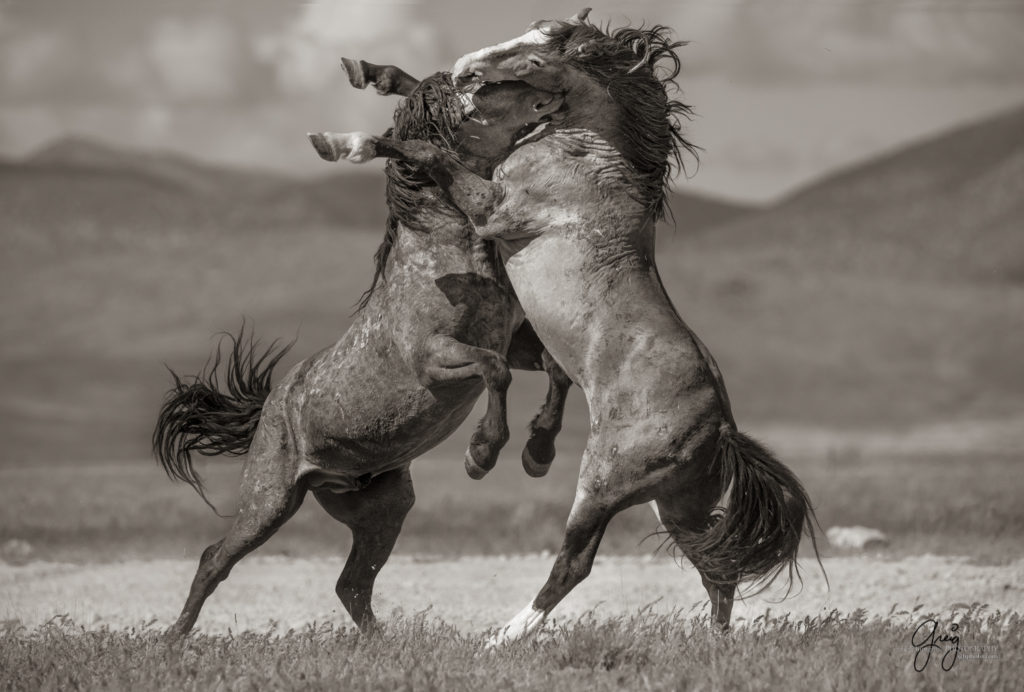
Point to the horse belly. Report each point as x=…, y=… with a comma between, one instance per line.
x=384, y=425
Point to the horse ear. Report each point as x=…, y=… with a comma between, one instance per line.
x=579, y=17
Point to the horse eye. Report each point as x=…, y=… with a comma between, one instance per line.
x=535, y=61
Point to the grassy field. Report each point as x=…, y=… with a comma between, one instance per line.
x=644, y=652
x=945, y=504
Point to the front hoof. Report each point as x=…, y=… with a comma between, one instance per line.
x=537, y=457
x=356, y=73
x=323, y=146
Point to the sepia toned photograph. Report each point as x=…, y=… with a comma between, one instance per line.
x=412, y=345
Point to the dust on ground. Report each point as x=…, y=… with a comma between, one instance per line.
x=477, y=593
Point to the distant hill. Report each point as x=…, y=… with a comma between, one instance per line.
x=75, y=191
x=890, y=292
x=952, y=206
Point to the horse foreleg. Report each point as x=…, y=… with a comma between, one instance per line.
x=474, y=196
x=388, y=79
x=445, y=360
x=528, y=353
x=375, y=515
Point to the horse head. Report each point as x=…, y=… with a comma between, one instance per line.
x=615, y=83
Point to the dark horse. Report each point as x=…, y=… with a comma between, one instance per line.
x=574, y=213
x=347, y=422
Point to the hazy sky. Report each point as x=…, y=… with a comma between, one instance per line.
x=784, y=89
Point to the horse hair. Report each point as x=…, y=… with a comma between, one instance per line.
x=759, y=533
x=199, y=415
x=636, y=66
x=433, y=112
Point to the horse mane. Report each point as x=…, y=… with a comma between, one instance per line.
x=433, y=112
x=637, y=66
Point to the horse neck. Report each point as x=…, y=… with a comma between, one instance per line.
x=590, y=108
x=446, y=241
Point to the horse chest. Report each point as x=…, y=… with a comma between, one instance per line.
x=546, y=275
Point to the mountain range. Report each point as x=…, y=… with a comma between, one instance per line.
x=887, y=294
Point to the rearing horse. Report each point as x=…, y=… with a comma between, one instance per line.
x=574, y=213
x=347, y=422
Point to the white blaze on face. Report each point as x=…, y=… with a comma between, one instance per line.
x=533, y=37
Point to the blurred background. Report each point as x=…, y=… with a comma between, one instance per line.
x=850, y=247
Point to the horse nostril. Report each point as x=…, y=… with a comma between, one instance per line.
x=467, y=77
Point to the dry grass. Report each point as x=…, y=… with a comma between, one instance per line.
x=654, y=652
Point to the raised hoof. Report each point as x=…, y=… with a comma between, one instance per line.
x=322, y=146
x=537, y=457
x=476, y=454
x=355, y=73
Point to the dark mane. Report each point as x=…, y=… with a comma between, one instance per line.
x=433, y=113
x=637, y=67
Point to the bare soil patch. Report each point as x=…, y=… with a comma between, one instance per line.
x=476, y=593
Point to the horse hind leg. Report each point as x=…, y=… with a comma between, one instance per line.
x=268, y=499
x=607, y=484
x=676, y=514
x=375, y=515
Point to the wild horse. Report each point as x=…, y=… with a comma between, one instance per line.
x=432, y=332
x=574, y=213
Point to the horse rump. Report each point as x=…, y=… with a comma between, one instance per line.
x=757, y=535
x=200, y=415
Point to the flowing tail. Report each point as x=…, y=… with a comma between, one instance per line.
x=758, y=535
x=198, y=415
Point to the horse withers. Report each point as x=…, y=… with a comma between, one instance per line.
x=346, y=423
x=575, y=214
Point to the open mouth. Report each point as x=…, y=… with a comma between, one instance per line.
x=530, y=132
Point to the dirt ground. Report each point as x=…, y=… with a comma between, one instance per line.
x=474, y=594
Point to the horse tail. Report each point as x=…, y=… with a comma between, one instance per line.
x=199, y=415
x=767, y=511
